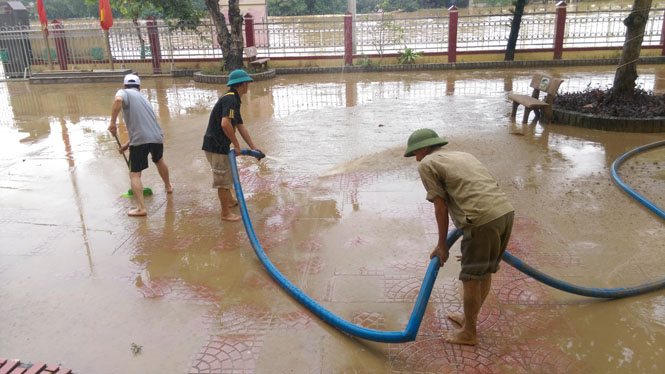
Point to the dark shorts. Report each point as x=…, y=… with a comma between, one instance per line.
x=138, y=155
x=483, y=246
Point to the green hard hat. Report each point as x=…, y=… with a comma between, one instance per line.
x=422, y=138
x=238, y=76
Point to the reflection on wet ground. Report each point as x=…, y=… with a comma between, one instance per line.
x=339, y=211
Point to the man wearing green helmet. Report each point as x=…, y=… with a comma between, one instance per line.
x=224, y=120
x=459, y=185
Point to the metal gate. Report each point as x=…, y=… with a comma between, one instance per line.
x=15, y=51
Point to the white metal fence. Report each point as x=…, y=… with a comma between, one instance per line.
x=375, y=34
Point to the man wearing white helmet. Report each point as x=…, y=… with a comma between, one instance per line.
x=459, y=185
x=145, y=137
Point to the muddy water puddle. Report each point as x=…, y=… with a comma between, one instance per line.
x=339, y=211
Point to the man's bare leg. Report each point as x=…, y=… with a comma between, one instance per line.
x=456, y=318
x=472, y=302
x=484, y=290
x=137, y=191
x=234, y=201
x=225, y=200
x=164, y=173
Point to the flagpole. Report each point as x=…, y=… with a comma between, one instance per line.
x=44, y=21
x=108, y=48
x=48, y=49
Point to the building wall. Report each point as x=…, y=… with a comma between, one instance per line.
x=257, y=8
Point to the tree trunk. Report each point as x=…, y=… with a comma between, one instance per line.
x=231, y=42
x=626, y=73
x=514, y=30
x=234, y=61
x=135, y=21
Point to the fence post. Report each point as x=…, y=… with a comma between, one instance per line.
x=560, y=29
x=452, y=33
x=662, y=38
x=48, y=47
x=60, y=43
x=107, y=40
x=155, y=48
x=348, y=39
x=249, y=30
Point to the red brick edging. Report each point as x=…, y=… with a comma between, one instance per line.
x=16, y=367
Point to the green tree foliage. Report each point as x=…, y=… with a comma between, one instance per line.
x=179, y=12
x=303, y=7
x=64, y=9
x=183, y=12
x=327, y=7
x=498, y=2
x=306, y=7
x=286, y=7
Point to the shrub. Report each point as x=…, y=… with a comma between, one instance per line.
x=365, y=61
x=408, y=56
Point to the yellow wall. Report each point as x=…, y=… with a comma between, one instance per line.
x=257, y=8
x=146, y=67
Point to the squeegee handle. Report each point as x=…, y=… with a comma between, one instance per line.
x=120, y=145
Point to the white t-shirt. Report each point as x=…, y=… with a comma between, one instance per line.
x=139, y=118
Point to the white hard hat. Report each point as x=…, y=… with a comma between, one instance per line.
x=132, y=79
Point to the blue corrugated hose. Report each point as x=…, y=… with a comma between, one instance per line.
x=413, y=325
x=607, y=293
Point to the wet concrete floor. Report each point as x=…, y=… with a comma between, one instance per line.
x=339, y=211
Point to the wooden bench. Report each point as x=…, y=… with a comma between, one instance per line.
x=250, y=52
x=539, y=83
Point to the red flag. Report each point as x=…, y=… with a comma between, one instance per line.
x=105, y=15
x=42, y=15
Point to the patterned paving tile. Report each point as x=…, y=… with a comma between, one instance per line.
x=160, y=287
x=310, y=245
x=230, y=354
x=432, y=355
x=262, y=281
x=351, y=181
x=405, y=289
x=358, y=241
x=292, y=321
x=540, y=357
x=311, y=266
x=407, y=265
x=370, y=320
x=240, y=320
x=364, y=271
x=525, y=291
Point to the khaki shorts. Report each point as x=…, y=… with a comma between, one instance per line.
x=221, y=170
x=483, y=246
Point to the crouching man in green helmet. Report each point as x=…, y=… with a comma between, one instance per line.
x=224, y=120
x=460, y=186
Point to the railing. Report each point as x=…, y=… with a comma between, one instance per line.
x=387, y=34
x=606, y=29
x=300, y=37
x=323, y=36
